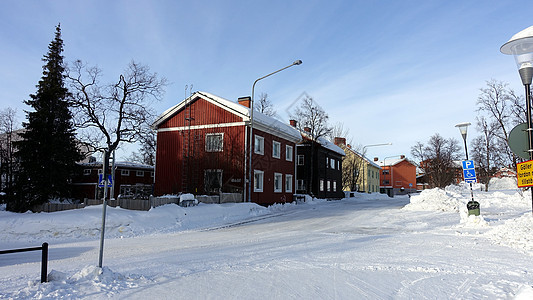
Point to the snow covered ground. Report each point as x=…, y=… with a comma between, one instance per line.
x=367, y=247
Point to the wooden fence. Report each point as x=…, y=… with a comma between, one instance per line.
x=139, y=204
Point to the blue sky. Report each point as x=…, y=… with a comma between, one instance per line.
x=390, y=71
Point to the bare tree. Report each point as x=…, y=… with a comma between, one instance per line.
x=437, y=159
x=485, y=150
x=108, y=115
x=264, y=105
x=312, y=121
x=8, y=163
x=147, y=142
x=502, y=109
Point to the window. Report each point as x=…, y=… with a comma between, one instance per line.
x=300, y=160
x=338, y=164
x=385, y=171
x=288, y=153
x=125, y=172
x=87, y=172
x=332, y=163
x=288, y=183
x=321, y=185
x=300, y=185
x=334, y=186
x=258, y=180
x=327, y=162
x=140, y=173
x=278, y=181
x=386, y=182
x=213, y=180
x=276, y=149
x=328, y=185
x=259, y=145
x=214, y=142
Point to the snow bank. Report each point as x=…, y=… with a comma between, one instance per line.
x=89, y=280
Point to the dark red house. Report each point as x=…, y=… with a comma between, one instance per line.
x=202, y=146
x=131, y=180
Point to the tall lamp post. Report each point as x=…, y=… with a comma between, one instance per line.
x=250, y=141
x=365, y=164
x=521, y=46
x=472, y=206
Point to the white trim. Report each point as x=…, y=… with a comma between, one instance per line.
x=274, y=143
x=221, y=149
x=289, y=178
x=280, y=182
x=261, y=149
x=208, y=126
x=260, y=188
x=287, y=151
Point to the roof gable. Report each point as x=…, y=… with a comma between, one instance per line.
x=261, y=121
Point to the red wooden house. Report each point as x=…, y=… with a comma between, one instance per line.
x=202, y=145
x=398, y=176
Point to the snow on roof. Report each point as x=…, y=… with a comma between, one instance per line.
x=394, y=161
x=325, y=143
x=369, y=161
x=261, y=121
x=120, y=164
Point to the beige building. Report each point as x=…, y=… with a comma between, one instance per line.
x=359, y=173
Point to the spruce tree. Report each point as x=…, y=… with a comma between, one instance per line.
x=48, y=152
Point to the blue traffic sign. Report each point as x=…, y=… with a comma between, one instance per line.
x=469, y=171
x=101, y=181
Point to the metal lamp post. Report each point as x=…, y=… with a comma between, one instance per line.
x=365, y=164
x=521, y=46
x=250, y=144
x=472, y=206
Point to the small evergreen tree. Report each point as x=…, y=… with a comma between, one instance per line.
x=47, y=151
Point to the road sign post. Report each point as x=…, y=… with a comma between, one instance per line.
x=469, y=174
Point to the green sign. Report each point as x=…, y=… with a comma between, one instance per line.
x=518, y=141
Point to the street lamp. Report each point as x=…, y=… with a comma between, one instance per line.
x=365, y=164
x=472, y=206
x=521, y=46
x=295, y=63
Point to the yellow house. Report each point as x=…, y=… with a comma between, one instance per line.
x=358, y=172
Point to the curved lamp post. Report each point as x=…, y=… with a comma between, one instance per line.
x=472, y=206
x=250, y=144
x=521, y=46
x=365, y=164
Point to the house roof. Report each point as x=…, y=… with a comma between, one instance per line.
x=261, y=121
x=325, y=143
x=393, y=162
x=370, y=162
x=120, y=164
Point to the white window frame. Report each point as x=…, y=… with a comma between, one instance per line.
x=321, y=185
x=139, y=173
x=332, y=163
x=218, y=173
x=124, y=172
x=301, y=159
x=334, y=185
x=288, y=183
x=259, y=177
x=259, y=144
x=288, y=153
x=276, y=146
x=87, y=172
x=278, y=182
x=328, y=186
x=211, y=146
x=327, y=162
x=338, y=165
x=300, y=184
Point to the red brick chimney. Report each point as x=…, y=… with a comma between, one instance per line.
x=293, y=123
x=339, y=141
x=245, y=101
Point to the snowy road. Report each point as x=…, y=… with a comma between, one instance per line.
x=349, y=249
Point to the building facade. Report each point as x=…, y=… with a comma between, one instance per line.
x=203, y=146
x=398, y=176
